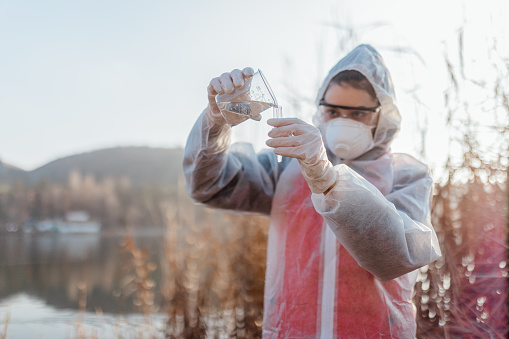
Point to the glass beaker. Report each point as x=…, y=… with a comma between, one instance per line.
x=248, y=102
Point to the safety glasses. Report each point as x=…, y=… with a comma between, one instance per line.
x=359, y=108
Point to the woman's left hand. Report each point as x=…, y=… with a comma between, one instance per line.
x=292, y=137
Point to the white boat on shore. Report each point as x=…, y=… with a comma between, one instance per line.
x=75, y=222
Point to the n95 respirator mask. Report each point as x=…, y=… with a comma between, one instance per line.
x=348, y=139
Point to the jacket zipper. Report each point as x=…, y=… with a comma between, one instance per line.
x=328, y=285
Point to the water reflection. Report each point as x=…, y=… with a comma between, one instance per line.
x=30, y=317
x=53, y=268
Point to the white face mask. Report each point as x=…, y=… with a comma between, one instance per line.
x=347, y=138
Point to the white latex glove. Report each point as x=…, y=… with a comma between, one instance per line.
x=226, y=83
x=294, y=138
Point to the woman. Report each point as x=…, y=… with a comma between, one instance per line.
x=350, y=221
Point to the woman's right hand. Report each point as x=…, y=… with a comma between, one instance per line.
x=226, y=83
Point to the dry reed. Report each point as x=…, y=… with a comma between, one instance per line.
x=214, y=280
x=464, y=294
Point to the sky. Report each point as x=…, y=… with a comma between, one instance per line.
x=77, y=76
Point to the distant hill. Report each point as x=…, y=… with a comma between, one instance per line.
x=9, y=173
x=143, y=165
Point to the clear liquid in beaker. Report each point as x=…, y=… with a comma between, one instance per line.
x=236, y=112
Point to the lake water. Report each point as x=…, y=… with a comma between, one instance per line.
x=64, y=286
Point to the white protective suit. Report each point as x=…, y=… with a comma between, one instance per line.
x=341, y=265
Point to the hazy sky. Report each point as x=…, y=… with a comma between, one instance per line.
x=82, y=75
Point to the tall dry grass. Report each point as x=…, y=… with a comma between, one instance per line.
x=464, y=294
x=214, y=277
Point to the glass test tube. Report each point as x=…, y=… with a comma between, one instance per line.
x=277, y=112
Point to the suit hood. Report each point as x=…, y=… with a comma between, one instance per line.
x=366, y=60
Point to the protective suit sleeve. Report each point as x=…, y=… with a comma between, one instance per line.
x=387, y=235
x=228, y=177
